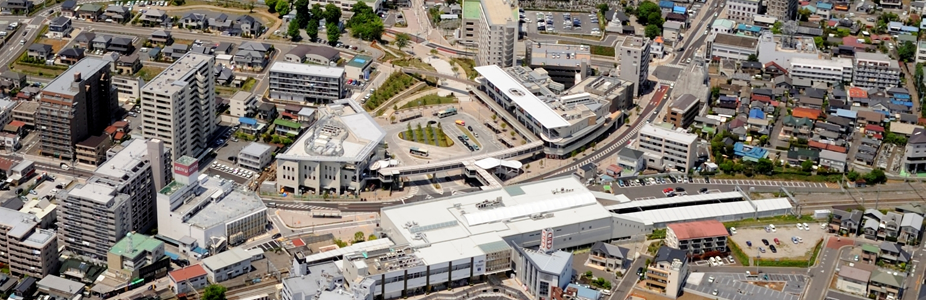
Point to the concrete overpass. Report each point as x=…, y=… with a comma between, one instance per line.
x=438, y=75
x=390, y=174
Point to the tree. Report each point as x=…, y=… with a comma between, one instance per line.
x=312, y=29
x=272, y=4
x=214, y=292
x=648, y=12
x=282, y=7
x=250, y=6
x=334, y=34
x=807, y=165
x=365, y=24
x=776, y=27
x=332, y=14
x=804, y=14
x=753, y=57
x=358, y=236
x=303, y=16
x=764, y=166
x=372, y=237
x=339, y=242
x=906, y=51
x=652, y=31
x=317, y=12
x=763, y=140
x=401, y=40
x=603, y=8
x=875, y=176
x=293, y=30
x=853, y=175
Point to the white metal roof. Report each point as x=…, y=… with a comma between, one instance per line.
x=676, y=200
x=567, y=200
x=708, y=211
x=491, y=162
x=659, y=132
x=373, y=245
x=512, y=88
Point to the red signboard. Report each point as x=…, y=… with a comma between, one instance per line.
x=185, y=170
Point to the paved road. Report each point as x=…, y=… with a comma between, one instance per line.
x=695, y=37
x=624, y=288
x=823, y=272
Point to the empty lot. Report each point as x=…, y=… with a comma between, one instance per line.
x=787, y=249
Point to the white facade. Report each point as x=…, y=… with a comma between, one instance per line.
x=675, y=149
x=255, y=156
x=179, y=97
x=330, y=156
x=634, y=61
x=230, y=264
x=242, y=104
x=129, y=88
x=496, y=33
x=306, y=83
x=732, y=47
x=742, y=11
x=875, y=70
x=831, y=71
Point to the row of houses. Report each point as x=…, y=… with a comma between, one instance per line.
x=245, y=25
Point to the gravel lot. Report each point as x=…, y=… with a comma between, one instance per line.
x=783, y=232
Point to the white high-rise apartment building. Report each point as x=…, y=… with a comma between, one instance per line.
x=178, y=106
x=667, y=149
x=742, y=11
x=634, y=59
x=495, y=23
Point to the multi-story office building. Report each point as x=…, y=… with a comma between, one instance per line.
x=255, y=156
x=80, y=103
x=667, y=272
x=875, y=70
x=697, y=237
x=566, y=64
x=833, y=71
x=120, y=196
x=683, y=110
x=330, y=156
x=491, y=26
x=743, y=11
x=198, y=211
x=634, y=55
x=564, y=123
x=784, y=10
x=732, y=47
x=25, y=112
x=306, y=83
x=180, y=97
x=914, y=160
x=667, y=149
x=26, y=248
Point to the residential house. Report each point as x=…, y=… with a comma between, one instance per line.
x=610, y=257
x=253, y=55
x=175, y=51
x=68, y=8
x=219, y=23
x=40, y=52
x=15, y=7
x=249, y=26
x=194, y=21
x=631, y=161
x=116, y=13
x=60, y=27
x=853, y=280
x=796, y=127
x=834, y=161
x=667, y=272
x=84, y=40
x=223, y=74
x=101, y=42
x=267, y=111
x=893, y=253
x=160, y=37
x=12, y=80
x=810, y=102
x=870, y=118
x=845, y=221
x=910, y=227
x=885, y=285
x=122, y=45
x=70, y=56
x=128, y=64
x=90, y=12
x=154, y=17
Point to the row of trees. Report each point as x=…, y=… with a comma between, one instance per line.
x=309, y=18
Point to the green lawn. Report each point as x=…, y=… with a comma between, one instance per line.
x=431, y=99
x=433, y=136
x=413, y=62
x=595, y=49
x=149, y=72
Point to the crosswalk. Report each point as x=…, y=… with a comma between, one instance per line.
x=746, y=182
x=300, y=206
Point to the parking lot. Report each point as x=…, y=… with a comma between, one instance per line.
x=739, y=286
x=268, y=246
x=559, y=25
x=786, y=248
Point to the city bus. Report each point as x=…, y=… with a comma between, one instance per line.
x=419, y=152
x=447, y=112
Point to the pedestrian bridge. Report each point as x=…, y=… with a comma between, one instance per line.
x=438, y=75
x=390, y=174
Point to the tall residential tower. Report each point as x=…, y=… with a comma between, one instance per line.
x=492, y=27
x=178, y=106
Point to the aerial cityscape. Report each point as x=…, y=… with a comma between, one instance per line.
x=462, y=149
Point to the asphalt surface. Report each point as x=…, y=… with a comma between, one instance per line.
x=823, y=271
x=630, y=279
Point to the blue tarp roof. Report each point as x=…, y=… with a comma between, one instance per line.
x=845, y=113
x=900, y=96
x=584, y=292
x=605, y=178
x=173, y=256
x=886, y=113
x=247, y=121
x=748, y=152
x=904, y=103
x=824, y=5
x=750, y=28
x=199, y=250
x=909, y=29
x=666, y=4
x=757, y=113
x=679, y=9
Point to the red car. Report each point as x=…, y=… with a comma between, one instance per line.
x=668, y=190
x=777, y=242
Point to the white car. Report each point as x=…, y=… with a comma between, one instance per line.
x=772, y=227
x=806, y=227
x=732, y=230
x=800, y=226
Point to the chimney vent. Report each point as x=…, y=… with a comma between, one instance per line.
x=76, y=76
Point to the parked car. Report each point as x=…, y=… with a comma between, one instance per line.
x=777, y=242
x=806, y=227
x=732, y=230
x=749, y=244
x=772, y=247
x=765, y=242
x=761, y=249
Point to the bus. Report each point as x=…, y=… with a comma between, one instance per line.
x=419, y=152
x=447, y=112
